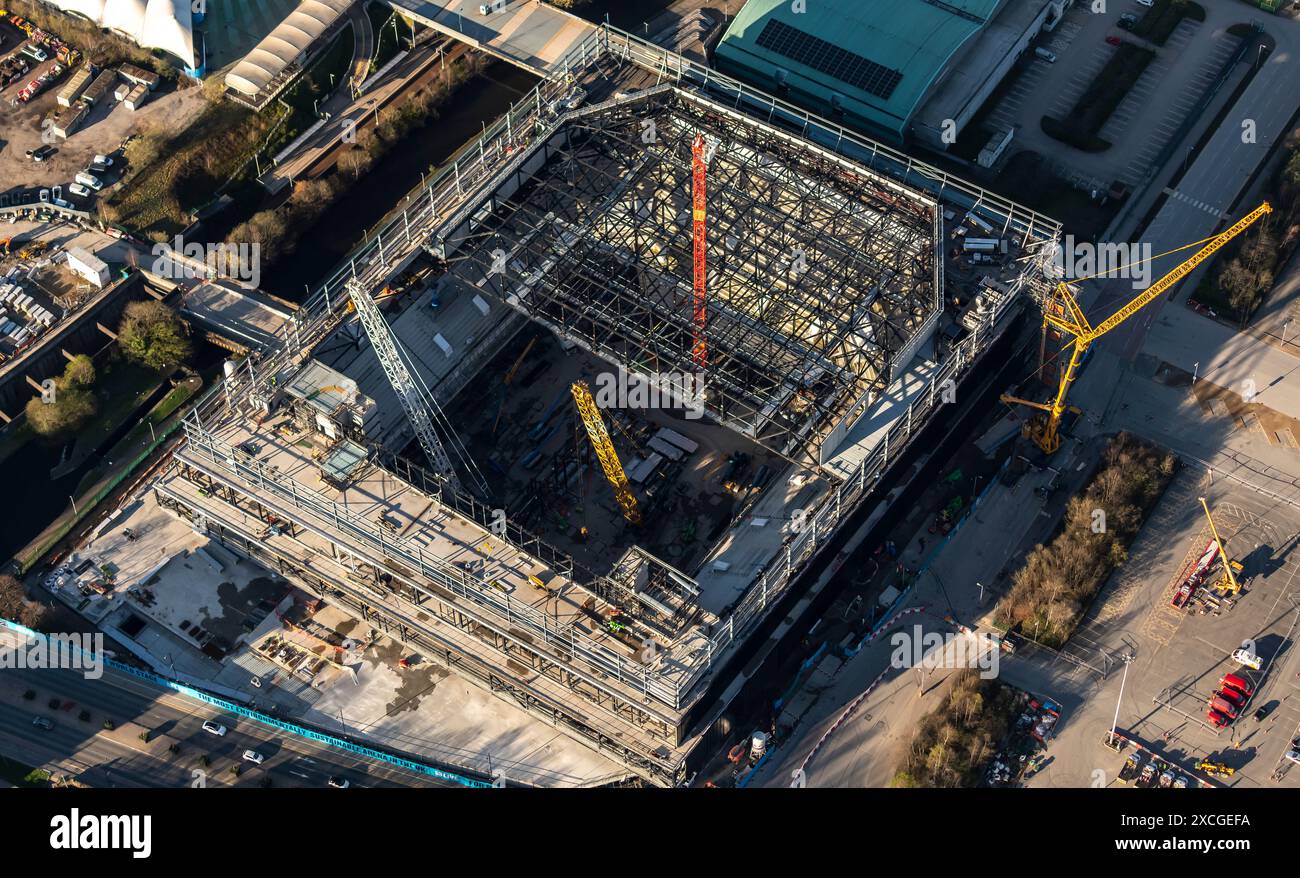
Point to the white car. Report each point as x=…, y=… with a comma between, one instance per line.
x=78, y=190
x=103, y=161
x=1245, y=657
x=1146, y=2
x=1293, y=755
x=340, y=783
x=254, y=757
x=214, y=728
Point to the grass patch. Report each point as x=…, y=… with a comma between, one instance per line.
x=955, y=740
x=121, y=387
x=1059, y=581
x=1162, y=19
x=1086, y=118
x=174, y=173
x=141, y=431
x=388, y=42
x=23, y=775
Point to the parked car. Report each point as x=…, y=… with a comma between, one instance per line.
x=1224, y=707
x=1293, y=755
x=1043, y=54
x=1147, y=3
x=215, y=728
x=1113, y=40
x=41, y=153
x=1246, y=658
x=1263, y=712
x=1241, y=684
x=340, y=783
x=1216, y=719
x=43, y=722
x=78, y=190
x=104, y=161
x=254, y=757
x=1232, y=696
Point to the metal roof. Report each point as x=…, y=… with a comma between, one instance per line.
x=879, y=56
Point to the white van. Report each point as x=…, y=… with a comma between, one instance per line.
x=90, y=181
x=1047, y=56
x=78, y=190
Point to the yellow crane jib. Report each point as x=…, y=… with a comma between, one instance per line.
x=605, y=453
x=1068, y=317
x=1228, y=584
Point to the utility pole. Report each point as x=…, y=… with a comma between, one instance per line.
x=1127, y=658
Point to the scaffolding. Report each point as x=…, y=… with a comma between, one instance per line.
x=820, y=277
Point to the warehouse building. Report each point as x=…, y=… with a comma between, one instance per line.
x=906, y=71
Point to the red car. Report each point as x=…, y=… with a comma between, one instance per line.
x=1232, y=696
x=1114, y=41
x=1239, y=683
x=1216, y=719
x=1223, y=706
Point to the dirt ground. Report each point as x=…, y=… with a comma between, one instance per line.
x=103, y=131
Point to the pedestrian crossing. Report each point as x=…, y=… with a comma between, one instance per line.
x=1194, y=202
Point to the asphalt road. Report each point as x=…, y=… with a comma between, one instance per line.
x=291, y=761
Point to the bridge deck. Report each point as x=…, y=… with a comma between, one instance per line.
x=527, y=33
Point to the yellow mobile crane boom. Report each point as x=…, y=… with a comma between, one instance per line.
x=1044, y=430
x=1228, y=584
x=605, y=452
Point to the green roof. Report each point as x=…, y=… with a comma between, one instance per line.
x=880, y=56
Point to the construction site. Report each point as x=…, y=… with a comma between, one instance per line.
x=574, y=421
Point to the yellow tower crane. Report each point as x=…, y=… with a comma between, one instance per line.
x=605, y=453
x=1062, y=311
x=1227, y=584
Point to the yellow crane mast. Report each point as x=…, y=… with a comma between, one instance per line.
x=605, y=453
x=1227, y=584
x=1062, y=311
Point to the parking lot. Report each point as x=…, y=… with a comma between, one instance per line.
x=1178, y=658
x=1144, y=122
x=103, y=130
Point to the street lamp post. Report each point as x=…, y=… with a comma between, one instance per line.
x=74, y=505
x=1285, y=324
x=1126, y=659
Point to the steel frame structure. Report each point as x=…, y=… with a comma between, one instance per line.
x=455, y=195
x=818, y=279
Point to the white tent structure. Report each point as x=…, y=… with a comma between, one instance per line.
x=285, y=45
x=154, y=24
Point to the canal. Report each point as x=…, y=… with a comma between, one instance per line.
x=342, y=226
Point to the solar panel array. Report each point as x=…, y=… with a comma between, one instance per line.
x=848, y=67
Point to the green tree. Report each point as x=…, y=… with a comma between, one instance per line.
x=152, y=334
x=15, y=606
x=71, y=404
